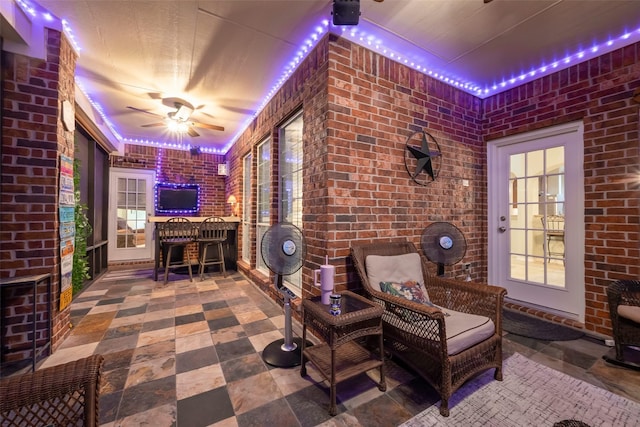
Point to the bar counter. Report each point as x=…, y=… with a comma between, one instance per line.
x=230, y=247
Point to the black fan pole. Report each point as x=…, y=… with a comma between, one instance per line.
x=440, y=269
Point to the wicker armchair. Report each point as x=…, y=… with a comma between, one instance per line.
x=624, y=308
x=63, y=395
x=421, y=341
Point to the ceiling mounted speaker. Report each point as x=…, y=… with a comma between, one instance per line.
x=346, y=12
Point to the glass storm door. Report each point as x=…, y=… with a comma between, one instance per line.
x=536, y=224
x=131, y=199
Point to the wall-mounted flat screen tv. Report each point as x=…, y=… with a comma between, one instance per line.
x=177, y=198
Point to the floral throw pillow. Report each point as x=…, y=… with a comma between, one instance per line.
x=410, y=290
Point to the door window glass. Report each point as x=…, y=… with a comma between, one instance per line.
x=131, y=212
x=536, y=198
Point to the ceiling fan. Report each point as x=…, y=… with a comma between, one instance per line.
x=179, y=120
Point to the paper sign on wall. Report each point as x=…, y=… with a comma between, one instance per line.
x=67, y=230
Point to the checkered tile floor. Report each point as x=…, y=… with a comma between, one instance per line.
x=189, y=354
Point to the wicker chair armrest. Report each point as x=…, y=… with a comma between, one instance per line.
x=467, y=297
x=629, y=291
x=423, y=324
x=54, y=383
x=422, y=310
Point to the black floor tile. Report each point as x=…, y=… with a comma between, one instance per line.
x=108, y=408
x=259, y=327
x=276, y=413
x=154, y=325
x=381, y=411
x=222, y=323
x=242, y=367
x=123, y=331
x=231, y=350
x=205, y=409
x=111, y=301
x=195, y=359
x=189, y=318
x=132, y=311
x=119, y=359
x=214, y=305
x=311, y=405
x=147, y=395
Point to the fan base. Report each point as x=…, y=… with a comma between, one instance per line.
x=275, y=355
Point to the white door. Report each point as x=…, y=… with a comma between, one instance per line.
x=536, y=218
x=130, y=202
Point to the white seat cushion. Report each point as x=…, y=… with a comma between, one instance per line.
x=630, y=312
x=464, y=330
x=395, y=269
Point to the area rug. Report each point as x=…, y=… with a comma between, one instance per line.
x=531, y=394
x=532, y=327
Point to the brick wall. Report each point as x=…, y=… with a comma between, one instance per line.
x=599, y=92
x=375, y=104
x=306, y=89
x=181, y=167
x=357, y=187
x=33, y=138
x=359, y=109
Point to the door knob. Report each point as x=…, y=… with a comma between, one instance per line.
x=502, y=229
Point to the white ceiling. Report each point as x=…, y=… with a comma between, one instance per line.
x=224, y=57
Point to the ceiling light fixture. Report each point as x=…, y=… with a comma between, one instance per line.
x=177, y=126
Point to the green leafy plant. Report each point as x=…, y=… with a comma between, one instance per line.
x=83, y=230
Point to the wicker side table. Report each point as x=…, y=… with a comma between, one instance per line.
x=339, y=358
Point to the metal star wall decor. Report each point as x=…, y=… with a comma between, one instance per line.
x=425, y=157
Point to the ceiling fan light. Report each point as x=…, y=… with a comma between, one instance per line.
x=182, y=127
x=172, y=125
x=183, y=113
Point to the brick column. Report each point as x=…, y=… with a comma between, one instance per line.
x=33, y=138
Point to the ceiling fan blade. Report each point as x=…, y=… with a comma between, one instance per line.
x=192, y=132
x=153, y=125
x=207, y=126
x=144, y=111
x=175, y=102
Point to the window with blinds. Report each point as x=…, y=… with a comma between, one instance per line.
x=263, y=194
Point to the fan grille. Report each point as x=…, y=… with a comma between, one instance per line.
x=283, y=248
x=443, y=243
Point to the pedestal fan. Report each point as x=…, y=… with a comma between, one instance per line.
x=283, y=250
x=444, y=244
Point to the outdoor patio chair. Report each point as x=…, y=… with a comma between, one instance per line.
x=62, y=395
x=447, y=331
x=624, y=309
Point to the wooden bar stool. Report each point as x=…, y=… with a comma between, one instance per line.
x=176, y=233
x=211, y=233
